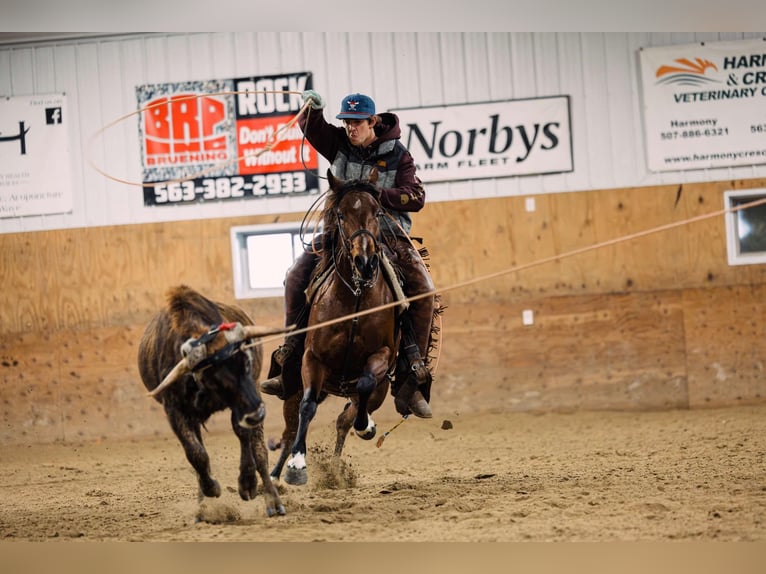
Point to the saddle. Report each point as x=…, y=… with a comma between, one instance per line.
x=321, y=274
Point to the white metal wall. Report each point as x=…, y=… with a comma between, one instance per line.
x=403, y=69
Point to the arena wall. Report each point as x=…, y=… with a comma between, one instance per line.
x=622, y=319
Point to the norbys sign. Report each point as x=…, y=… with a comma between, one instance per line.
x=494, y=139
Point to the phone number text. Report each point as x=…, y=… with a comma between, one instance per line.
x=226, y=187
x=700, y=133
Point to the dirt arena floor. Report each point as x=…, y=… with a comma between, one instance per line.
x=592, y=476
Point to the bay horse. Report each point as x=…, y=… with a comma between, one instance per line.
x=349, y=358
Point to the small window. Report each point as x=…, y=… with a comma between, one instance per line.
x=261, y=255
x=745, y=227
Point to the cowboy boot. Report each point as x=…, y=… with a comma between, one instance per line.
x=411, y=369
x=413, y=395
x=286, y=360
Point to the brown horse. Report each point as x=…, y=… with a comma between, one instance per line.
x=349, y=358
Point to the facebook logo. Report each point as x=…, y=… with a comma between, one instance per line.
x=52, y=116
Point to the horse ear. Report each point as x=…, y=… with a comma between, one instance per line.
x=332, y=180
x=373, y=177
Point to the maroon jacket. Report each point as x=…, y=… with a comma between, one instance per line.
x=402, y=191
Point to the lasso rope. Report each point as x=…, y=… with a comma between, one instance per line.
x=273, y=140
x=313, y=211
x=515, y=269
x=536, y=263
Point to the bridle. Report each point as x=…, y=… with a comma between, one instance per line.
x=359, y=282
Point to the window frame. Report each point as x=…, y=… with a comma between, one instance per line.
x=734, y=252
x=241, y=262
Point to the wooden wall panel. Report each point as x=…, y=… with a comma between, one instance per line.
x=725, y=344
x=588, y=352
x=656, y=322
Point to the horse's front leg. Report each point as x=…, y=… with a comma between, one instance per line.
x=290, y=409
x=372, y=375
x=313, y=374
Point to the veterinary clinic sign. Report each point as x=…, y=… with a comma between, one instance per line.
x=34, y=156
x=494, y=139
x=214, y=136
x=704, y=105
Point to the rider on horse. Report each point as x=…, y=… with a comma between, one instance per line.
x=366, y=141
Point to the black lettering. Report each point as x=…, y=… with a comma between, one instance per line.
x=472, y=133
x=493, y=136
x=527, y=144
x=22, y=137
x=415, y=129
x=443, y=143
x=552, y=137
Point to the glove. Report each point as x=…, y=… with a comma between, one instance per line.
x=317, y=101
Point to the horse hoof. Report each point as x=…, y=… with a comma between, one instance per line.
x=279, y=510
x=296, y=476
x=367, y=434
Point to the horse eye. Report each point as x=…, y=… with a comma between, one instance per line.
x=340, y=215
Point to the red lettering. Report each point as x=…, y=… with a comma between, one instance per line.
x=183, y=123
x=212, y=112
x=157, y=127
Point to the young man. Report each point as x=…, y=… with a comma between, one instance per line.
x=367, y=140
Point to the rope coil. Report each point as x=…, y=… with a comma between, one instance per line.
x=275, y=138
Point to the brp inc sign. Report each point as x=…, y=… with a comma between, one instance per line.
x=214, y=140
x=186, y=129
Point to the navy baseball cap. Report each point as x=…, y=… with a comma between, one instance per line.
x=356, y=107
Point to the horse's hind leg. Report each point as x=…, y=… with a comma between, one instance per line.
x=343, y=425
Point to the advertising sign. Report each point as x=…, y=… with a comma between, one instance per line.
x=34, y=156
x=217, y=140
x=704, y=105
x=494, y=139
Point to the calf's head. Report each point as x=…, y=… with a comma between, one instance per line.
x=222, y=363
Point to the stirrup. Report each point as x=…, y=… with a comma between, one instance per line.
x=283, y=352
x=421, y=372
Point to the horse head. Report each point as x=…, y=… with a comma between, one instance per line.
x=352, y=211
